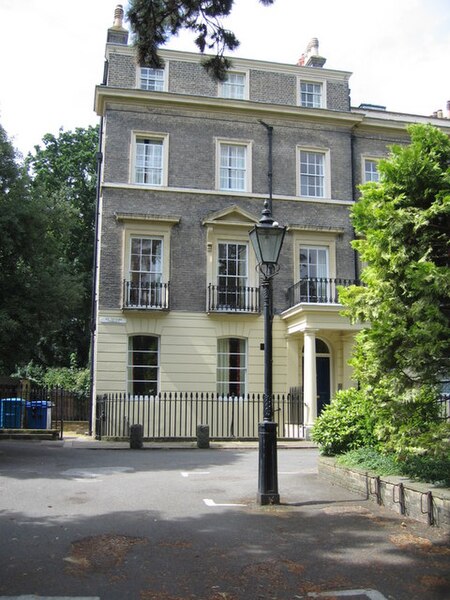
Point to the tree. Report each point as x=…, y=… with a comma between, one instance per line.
x=35, y=287
x=154, y=21
x=403, y=226
x=63, y=174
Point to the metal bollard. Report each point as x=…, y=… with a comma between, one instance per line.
x=136, y=436
x=202, y=436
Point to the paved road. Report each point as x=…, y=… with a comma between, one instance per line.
x=166, y=524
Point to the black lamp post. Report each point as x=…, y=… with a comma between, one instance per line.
x=267, y=238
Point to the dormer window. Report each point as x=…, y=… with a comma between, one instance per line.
x=151, y=80
x=311, y=94
x=233, y=86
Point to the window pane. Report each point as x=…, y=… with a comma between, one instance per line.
x=371, y=171
x=310, y=94
x=313, y=262
x=146, y=266
x=149, y=161
x=234, y=86
x=232, y=167
x=231, y=366
x=143, y=364
x=312, y=173
x=152, y=79
x=232, y=269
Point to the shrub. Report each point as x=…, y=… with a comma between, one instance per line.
x=433, y=469
x=372, y=460
x=344, y=424
x=426, y=467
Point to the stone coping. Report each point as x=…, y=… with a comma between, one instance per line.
x=423, y=502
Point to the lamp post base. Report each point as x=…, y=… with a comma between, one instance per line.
x=268, y=468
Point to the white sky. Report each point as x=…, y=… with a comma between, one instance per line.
x=52, y=54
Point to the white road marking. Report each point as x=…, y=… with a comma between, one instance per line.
x=49, y=598
x=210, y=502
x=371, y=594
x=94, y=473
x=188, y=473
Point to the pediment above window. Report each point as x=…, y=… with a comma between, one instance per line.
x=232, y=216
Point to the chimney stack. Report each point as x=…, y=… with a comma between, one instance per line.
x=311, y=57
x=117, y=34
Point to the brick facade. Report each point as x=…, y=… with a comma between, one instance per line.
x=191, y=214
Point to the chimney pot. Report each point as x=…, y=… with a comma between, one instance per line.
x=118, y=16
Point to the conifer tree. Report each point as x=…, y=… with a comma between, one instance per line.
x=154, y=21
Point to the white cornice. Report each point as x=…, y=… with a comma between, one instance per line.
x=222, y=194
x=105, y=95
x=373, y=119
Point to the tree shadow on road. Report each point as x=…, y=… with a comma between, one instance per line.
x=277, y=552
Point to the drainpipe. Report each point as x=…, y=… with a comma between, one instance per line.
x=95, y=261
x=352, y=158
x=270, y=170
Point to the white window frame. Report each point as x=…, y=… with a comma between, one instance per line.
x=140, y=226
x=315, y=239
x=162, y=139
x=233, y=90
x=158, y=79
x=316, y=248
x=233, y=297
x=143, y=293
x=312, y=81
x=325, y=177
x=131, y=380
x=371, y=160
x=227, y=383
x=246, y=170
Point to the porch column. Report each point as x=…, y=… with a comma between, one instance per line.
x=348, y=340
x=309, y=376
x=292, y=362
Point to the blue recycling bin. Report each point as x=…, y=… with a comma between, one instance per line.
x=38, y=414
x=11, y=413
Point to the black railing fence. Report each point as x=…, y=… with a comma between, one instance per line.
x=319, y=290
x=24, y=406
x=177, y=415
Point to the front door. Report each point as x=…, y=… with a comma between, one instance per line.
x=323, y=382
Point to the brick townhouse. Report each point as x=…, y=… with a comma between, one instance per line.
x=187, y=165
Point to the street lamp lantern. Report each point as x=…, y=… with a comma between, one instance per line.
x=267, y=239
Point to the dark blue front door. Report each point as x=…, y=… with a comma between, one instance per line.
x=323, y=382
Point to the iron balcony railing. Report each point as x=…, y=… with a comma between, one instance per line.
x=242, y=299
x=317, y=290
x=150, y=296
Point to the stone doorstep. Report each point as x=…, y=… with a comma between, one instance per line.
x=29, y=434
x=386, y=491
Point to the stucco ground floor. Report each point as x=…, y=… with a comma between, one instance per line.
x=312, y=345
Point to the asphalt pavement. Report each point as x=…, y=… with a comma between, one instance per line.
x=98, y=521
